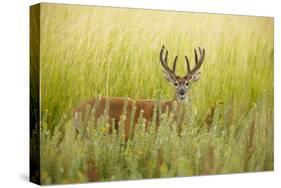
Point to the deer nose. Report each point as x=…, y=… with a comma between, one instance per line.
x=182, y=92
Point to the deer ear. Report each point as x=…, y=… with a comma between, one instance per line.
x=168, y=77
x=195, y=76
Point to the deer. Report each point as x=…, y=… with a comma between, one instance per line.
x=144, y=107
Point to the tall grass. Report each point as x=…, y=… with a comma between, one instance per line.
x=86, y=51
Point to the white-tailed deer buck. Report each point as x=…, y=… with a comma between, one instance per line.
x=117, y=104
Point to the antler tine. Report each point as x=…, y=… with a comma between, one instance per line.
x=175, y=64
x=164, y=62
x=187, y=64
x=200, y=50
x=202, y=53
x=199, y=62
x=196, y=56
x=166, y=57
x=161, y=56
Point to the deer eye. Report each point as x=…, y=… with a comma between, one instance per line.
x=187, y=83
x=175, y=83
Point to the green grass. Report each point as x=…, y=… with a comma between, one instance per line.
x=88, y=51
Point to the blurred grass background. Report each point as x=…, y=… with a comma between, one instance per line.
x=86, y=51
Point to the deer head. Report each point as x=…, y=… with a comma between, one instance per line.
x=182, y=84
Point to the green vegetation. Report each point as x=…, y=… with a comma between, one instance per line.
x=88, y=51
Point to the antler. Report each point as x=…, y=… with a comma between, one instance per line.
x=198, y=63
x=165, y=64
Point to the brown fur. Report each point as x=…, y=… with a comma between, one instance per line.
x=116, y=107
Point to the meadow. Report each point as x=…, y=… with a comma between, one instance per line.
x=89, y=51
